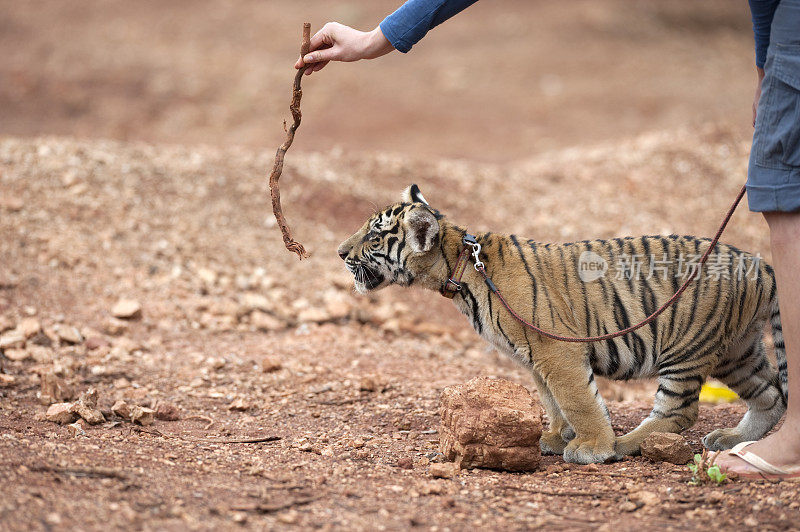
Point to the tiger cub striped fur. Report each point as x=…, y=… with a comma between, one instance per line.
x=714, y=330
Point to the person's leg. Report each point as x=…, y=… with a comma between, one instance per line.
x=782, y=448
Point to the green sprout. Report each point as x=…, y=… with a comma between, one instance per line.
x=704, y=471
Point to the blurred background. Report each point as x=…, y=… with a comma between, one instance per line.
x=502, y=81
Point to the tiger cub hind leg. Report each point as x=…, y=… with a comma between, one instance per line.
x=674, y=409
x=749, y=373
x=563, y=372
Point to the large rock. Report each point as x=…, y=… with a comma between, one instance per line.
x=490, y=423
x=667, y=447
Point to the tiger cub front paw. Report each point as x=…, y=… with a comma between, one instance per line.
x=551, y=442
x=589, y=450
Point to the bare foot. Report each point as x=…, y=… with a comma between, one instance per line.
x=781, y=449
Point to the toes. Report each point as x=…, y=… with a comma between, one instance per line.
x=626, y=448
x=551, y=443
x=584, y=452
x=722, y=439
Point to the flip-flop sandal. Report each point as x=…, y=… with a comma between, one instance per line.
x=766, y=471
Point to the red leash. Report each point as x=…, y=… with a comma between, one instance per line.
x=480, y=268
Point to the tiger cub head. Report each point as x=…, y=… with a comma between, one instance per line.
x=396, y=245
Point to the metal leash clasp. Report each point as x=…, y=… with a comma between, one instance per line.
x=469, y=240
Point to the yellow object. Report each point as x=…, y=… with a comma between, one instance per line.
x=713, y=392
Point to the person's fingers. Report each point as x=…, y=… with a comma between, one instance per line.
x=299, y=64
x=320, y=38
x=323, y=55
x=315, y=67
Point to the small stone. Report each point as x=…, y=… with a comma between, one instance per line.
x=76, y=429
x=628, y=506
x=86, y=407
x=252, y=301
x=433, y=487
x=209, y=277
x=41, y=339
x=12, y=339
x=96, y=342
x=40, y=354
x=215, y=362
x=115, y=327
x=328, y=451
x=405, y=463
x=89, y=398
x=52, y=519
x=313, y=315
x=29, y=327
x=271, y=364
x=167, y=412
x=715, y=497
x=667, y=447
x=142, y=415
x=443, y=470
x=289, y=518
x=121, y=409
x=240, y=518
x=61, y=413
x=54, y=389
x=69, y=334
x=6, y=323
x=305, y=447
x=17, y=355
x=6, y=380
x=239, y=405
x=127, y=309
x=490, y=423
x=644, y=498
x=337, y=309
x=370, y=383
x=11, y=203
x=265, y=322
x=750, y=521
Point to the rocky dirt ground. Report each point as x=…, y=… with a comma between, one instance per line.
x=557, y=121
x=244, y=342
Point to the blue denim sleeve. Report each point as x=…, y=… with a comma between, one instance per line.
x=408, y=25
x=762, y=12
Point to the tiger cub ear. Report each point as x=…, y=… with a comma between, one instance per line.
x=413, y=195
x=422, y=229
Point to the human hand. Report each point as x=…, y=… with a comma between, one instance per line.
x=337, y=42
x=758, y=93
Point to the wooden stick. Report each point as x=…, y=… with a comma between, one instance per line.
x=275, y=193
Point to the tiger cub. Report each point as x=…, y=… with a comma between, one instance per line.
x=592, y=288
